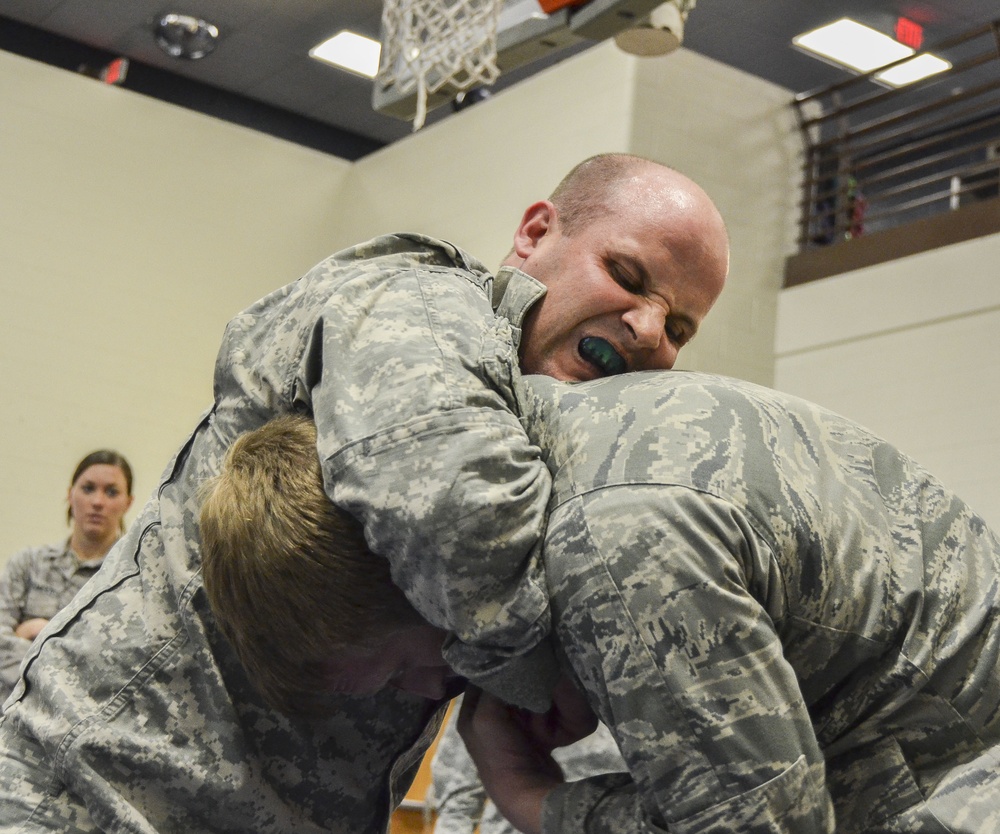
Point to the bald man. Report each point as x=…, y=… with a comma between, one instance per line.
x=134, y=714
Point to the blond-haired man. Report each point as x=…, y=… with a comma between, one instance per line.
x=276, y=549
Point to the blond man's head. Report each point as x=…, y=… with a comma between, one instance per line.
x=288, y=574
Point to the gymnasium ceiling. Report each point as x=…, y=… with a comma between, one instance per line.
x=260, y=73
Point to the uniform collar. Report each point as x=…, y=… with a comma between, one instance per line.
x=514, y=293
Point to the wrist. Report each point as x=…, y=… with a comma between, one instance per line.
x=525, y=811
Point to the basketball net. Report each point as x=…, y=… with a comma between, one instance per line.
x=431, y=44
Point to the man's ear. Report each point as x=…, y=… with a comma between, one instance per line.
x=538, y=220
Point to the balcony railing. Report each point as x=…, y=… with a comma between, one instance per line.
x=878, y=158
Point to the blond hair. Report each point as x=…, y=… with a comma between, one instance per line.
x=288, y=574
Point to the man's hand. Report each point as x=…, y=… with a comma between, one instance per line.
x=512, y=748
x=569, y=719
x=29, y=629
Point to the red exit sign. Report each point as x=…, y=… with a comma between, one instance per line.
x=909, y=33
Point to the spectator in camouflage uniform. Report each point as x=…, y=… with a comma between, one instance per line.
x=38, y=581
x=788, y=625
x=134, y=715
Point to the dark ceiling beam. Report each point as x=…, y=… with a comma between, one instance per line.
x=67, y=54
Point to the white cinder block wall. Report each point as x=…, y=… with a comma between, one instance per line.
x=131, y=230
x=470, y=178
x=910, y=349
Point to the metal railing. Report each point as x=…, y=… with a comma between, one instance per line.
x=879, y=157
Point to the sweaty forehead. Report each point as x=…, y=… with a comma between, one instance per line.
x=657, y=189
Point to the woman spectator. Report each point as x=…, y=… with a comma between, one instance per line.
x=38, y=581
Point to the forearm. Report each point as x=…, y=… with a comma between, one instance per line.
x=428, y=453
x=12, y=652
x=13, y=595
x=512, y=748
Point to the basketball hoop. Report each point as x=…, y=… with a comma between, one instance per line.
x=428, y=45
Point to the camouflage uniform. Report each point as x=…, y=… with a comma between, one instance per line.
x=459, y=797
x=135, y=707
x=780, y=616
x=36, y=582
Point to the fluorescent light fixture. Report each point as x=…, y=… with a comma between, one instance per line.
x=856, y=46
x=350, y=51
x=852, y=44
x=920, y=67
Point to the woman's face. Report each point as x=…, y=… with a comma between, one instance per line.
x=98, y=500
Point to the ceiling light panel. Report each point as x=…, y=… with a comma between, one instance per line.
x=850, y=44
x=350, y=51
x=923, y=66
x=853, y=45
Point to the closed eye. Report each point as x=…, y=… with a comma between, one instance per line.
x=677, y=331
x=624, y=278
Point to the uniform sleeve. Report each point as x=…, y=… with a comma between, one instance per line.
x=416, y=409
x=13, y=596
x=654, y=603
x=459, y=796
